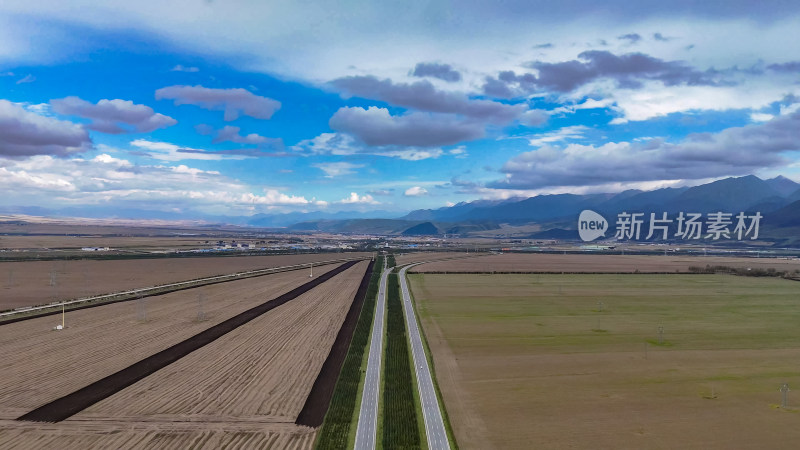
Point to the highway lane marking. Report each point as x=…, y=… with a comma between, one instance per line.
x=366, y=437
x=432, y=419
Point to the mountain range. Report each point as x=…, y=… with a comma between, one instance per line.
x=777, y=199
x=541, y=217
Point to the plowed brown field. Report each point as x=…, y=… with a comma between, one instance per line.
x=243, y=390
x=28, y=283
x=40, y=365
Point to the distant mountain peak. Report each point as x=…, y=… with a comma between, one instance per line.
x=783, y=186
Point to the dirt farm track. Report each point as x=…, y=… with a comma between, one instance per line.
x=243, y=390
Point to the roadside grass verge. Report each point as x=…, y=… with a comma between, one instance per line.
x=400, y=420
x=337, y=430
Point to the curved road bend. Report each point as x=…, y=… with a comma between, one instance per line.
x=434, y=424
x=368, y=414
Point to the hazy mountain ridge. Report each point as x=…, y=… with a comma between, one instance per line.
x=727, y=195
x=554, y=215
x=557, y=213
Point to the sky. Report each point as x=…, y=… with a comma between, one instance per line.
x=213, y=109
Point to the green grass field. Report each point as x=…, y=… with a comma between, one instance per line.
x=576, y=361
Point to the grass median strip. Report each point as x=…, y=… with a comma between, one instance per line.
x=400, y=422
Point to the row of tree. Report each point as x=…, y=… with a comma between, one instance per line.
x=400, y=430
x=338, y=421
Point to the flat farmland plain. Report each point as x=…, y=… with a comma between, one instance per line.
x=542, y=262
x=243, y=390
x=575, y=361
x=39, y=364
x=408, y=258
x=28, y=283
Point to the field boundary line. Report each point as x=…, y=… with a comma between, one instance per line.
x=135, y=294
x=435, y=429
x=71, y=404
x=319, y=398
x=429, y=356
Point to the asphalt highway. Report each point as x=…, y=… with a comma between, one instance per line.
x=434, y=424
x=368, y=414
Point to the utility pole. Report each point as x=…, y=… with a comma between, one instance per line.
x=201, y=315
x=785, y=395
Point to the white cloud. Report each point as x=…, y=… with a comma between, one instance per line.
x=415, y=191
x=106, y=180
x=789, y=109
x=354, y=199
x=26, y=79
x=723, y=36
x=342, y=144
x=560, y=135
x=337, y=169
x=655, y=100
x=377, y=127
x=730, y=152
x=761, y=117
x=165, y=151
x=231, y=134
x=181, y=68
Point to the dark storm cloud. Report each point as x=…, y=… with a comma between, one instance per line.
x=376, y=127
x=632, y=38
x=661, y=37
x=113, y=116
x=23, y=133
x=423, y=96
x=628, y=70
x=233, y=101
x=623, y=11
x=792, y=66
x=733, y=151
x=498, y=89
x=440, y=71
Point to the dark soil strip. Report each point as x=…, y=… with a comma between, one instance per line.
x=81, y=399
x=144, y=295
x=319, y=398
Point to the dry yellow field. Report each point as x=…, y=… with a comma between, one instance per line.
x=540, y=262
x=408, y=258
x=535, y=361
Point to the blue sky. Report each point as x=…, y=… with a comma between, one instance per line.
x=210, y=108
